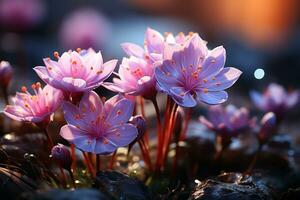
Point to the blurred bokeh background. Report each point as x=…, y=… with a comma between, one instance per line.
x=262, y=38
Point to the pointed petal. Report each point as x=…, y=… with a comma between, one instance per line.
x=153, y=41
x=225, y=79
x=214, y=63
x=133, y=50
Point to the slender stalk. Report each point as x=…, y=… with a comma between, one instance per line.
x=88, y=163
x=145, y=154
x=72, y=178
x=181, y=138
x=146, y=135
x=51, y=144
x=112, y=160
x=169, y=134
x=63, y=175
x=5, y=95
x=254, y=160
x=73, y=154
x=98, y=162
x=186, y=123
x=159, y=132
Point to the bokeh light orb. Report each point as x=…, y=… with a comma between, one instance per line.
x=259, y=73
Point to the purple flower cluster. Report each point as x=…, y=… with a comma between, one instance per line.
x=180, y=66
x=275, y=99
x=228, y=121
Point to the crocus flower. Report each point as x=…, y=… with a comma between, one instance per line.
x=195, y=74
x=275, y=99
x=99, y=127
x=228, y=121
x=5, y=74
x=20, y=14
x=62, y=155
x=139, y=122
x=76, y=72
x=268, y=126
x=36, y=108
x=136, y=73
x=93, y=31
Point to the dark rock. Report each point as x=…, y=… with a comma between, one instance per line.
x=79, y=194
x=232, y=186
x=280, y=141
x=13, y=183
x=292, y=194
x=121, y=186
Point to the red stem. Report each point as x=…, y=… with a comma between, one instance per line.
x=88, y=163
x=98, y=162
x=145, y=154
x=112, y=160
x=181, y=138
x=159, y=132
x=169, y=134
x=146, y=135
x=73, y=154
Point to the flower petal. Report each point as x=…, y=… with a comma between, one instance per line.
x=225, y=79
x=133, y=50
x=70, y=133
x=122, y=135
x=120, y=112
x=153, y=41
x=214, y=63
x=182, y=97
x=212, y=97
x=73, y=84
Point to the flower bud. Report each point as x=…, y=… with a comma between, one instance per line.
x=62, y=156
x=268, y=127
x=139, y=122
x=5, y=74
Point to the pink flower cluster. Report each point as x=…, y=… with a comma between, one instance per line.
x=181, y=67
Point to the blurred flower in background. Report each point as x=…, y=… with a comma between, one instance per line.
x=84, y=28
x=21, y=15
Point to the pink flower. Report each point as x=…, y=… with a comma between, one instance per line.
x=195, y=74
x=5, y=74
x=35, y=108
x=84, y=28
x=76, y=72
x=229, y=121
x=20, y=14
x=136, y=73
x=268, y=125
x=275, y=99
x=99, y=127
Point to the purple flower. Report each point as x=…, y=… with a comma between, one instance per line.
x=139, y=122
x=76, y=72
x=268, y=127
x=35, y=108
x=21, y=14
x=229, y=121
x=62, y=155
x=275, y=99
x=5, y=74
x=99, y=127
x=195, y=74
x=84, y=28
x=136, y=73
